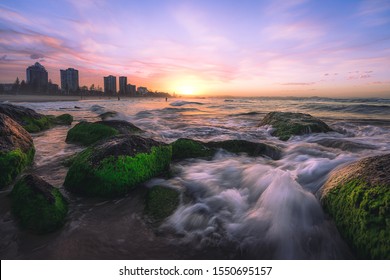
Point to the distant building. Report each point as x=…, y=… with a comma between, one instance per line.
x=122, y=85
x=131, y=89
x=142, y=90
x=37, y=77
x=110, y=84
x=69, y=80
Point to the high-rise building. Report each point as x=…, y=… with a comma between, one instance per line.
x=110, y=84
x=142, y=90
x=69, y=79
x=37, y=77
x=122, y=85
x=131, y=89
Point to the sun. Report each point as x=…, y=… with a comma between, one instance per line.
x=186, y=90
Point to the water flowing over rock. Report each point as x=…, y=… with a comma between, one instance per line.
x=288, y=124
x=16, y=150
x=116, y=165
x=38, y=205
x=357, y=196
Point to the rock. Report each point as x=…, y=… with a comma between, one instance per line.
x=16, y=150
x=31, y=120
x=186, y=148
x=250, y=148
x=344, y=145
x=289, y=124
x=64, y=119
x=38, y=205
x=161, y=202
x=357, y=196
x=113, y=166
x=86, y=133
x=108, y=115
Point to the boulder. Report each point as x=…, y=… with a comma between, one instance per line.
x=107, y=115
x=64, y=119
x=113, y=166
x=289, y=124
x=250, y=148
x=38, y=205
x=161, y=202
x=186, y=148
x=16, y=150
x=31, y=120
x=86, y=133
x=357, y=196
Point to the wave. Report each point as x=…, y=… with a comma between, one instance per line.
x=181, y=103
x=355, y=108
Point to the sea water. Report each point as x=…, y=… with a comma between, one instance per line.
x=232, y=206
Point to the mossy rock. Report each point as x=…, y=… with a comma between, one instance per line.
x=36, y=125
x=357, y=197
x=64, y=119
x=86, y=133
x=161, y=202
x=116, y=165
x=107, y=115
x=250, y=148
x=16, y=150
x=288, y=124
x=186, y=148
x=32, y=121
x=38, y=205
x=12, y=163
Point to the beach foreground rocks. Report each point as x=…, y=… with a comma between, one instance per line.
x=38, y=205
x=16, y=150
x=288, y=124
x=161, y=202
x=33, y=121
x=357, y=196
x=114, y=166
x=187, y=148
x=87, y=133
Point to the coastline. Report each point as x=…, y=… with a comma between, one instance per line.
x=37, y=98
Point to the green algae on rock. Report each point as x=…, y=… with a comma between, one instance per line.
x=16, y=150
x=357, y=196
x=186, y=148
x=288, y=124
x=250, y=148
x=64, y=119
x=161, y=202
x=38, y=205
x=33, y=121
x=86, y=133
x=116, y=165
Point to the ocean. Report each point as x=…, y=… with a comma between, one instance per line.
x=232, y=207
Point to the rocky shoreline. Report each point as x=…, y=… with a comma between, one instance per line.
x=117, y=159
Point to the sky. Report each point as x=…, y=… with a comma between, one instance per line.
x=202, y=47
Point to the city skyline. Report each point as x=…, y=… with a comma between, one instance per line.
x=304, y=48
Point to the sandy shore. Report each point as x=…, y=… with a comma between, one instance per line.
x=42, y=98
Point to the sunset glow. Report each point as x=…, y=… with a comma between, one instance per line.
x=298, y=47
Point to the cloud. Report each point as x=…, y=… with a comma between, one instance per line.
x=297, y=84
x=36, y=56
x=4, y=58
